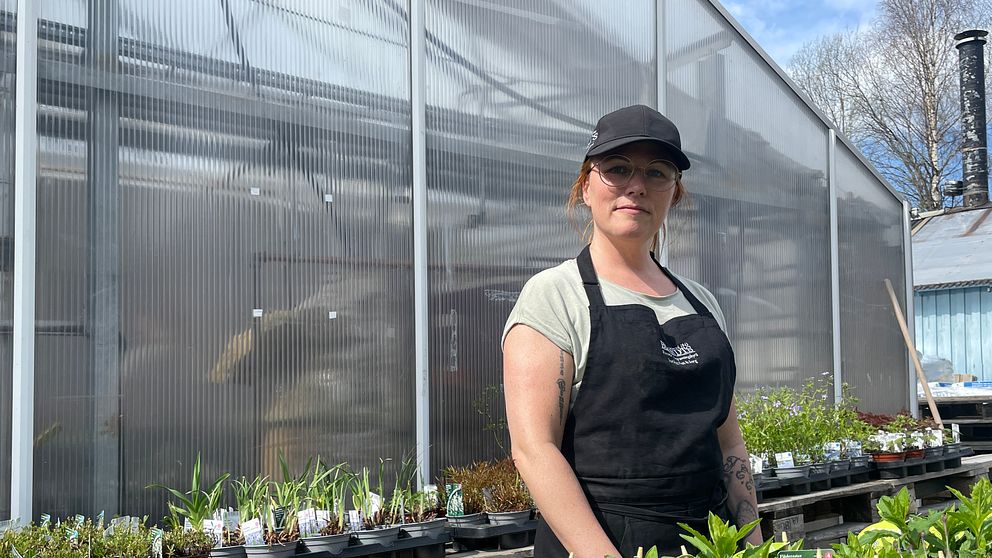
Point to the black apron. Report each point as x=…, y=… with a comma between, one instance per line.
x=642, y=433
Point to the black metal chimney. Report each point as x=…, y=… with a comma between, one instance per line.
x=974, y=147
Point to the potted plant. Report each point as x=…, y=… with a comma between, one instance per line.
x=462, y=496
x=198, y=503
x=327, y=495
x=250, y=497
x=186, y=543
x=507, y=501
x=378, y=517
x=423, y=515
x=281, y=534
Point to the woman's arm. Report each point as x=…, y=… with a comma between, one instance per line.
x=741, y=499
x=537, y=379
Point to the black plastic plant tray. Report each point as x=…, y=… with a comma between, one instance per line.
x=486, y=531
x=402, y=547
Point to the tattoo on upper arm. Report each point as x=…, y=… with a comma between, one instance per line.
x=561, y=386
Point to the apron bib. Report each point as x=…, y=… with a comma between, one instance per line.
x=642, y=433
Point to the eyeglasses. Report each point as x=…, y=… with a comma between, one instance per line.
x=617, y=170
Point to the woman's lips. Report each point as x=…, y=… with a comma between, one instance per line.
x=631, y=209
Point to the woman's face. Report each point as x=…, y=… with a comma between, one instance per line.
x=635, y=210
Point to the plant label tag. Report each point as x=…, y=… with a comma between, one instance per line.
x=832, y=451
x=956, y=433
x=431, y=495
x=14, y=552
x=45, y=519
x=72, y=534
x=252, y=532
x=455, y=505
x=79, y=519
x=6, y=525
x=307, y=522
x=917, y=440
x=99, y=520
x=355, y=520
x=323, y=517
x=215, y=530
x=812, y=553
x=156, y=535
x=375, y=503
x=784, y=459
x=231, y=520
x=187, y=526
x=756, y=465
x=854, y=448
x=937, y=437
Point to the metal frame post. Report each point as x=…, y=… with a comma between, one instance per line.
x=25, y=235
x=838, y=355
x=907, y=245
x=661, y=94
x=418, y=111
x=104, y=208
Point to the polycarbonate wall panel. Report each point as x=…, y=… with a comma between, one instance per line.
x=8, y=56
x=224, y=244
x=755, y=230
x=513, y=92
x=870, y=231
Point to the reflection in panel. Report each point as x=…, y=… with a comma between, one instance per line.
x=755, y=229
x=512, y=96
x=225, y=243
x=870, y=233
x=8, y=52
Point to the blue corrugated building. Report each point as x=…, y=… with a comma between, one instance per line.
x=952, y=280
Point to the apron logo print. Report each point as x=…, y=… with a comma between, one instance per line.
x=681, y=355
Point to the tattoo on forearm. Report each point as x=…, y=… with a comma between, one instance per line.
x=736, y=468
x=561, y=386
x=745, y=513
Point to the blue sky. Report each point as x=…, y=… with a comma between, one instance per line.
x=782, y=26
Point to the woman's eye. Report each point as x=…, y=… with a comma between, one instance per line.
x=618, y=170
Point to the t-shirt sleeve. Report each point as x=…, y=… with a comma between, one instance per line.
x=542, y=306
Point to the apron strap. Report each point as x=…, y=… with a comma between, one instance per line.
x=590, y=282
x=698, y=306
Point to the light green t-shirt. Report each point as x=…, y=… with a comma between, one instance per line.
x=554, y=303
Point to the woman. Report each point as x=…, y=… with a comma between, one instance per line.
x=619, y=378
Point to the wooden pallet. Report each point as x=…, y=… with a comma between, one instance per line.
x=856, y=503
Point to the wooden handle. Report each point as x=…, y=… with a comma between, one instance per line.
x=912, y=353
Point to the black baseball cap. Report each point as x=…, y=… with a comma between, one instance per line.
x=637, y=123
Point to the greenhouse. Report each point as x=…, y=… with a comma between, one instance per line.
x=266, y=229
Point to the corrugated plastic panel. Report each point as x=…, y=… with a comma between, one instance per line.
x=513, y=92
x=224, y=244
x=870, y=230
x=8, y=53
x=756, y=229
x=955, y=325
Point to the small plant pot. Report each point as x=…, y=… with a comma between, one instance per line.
x=385, y=535
x=819, y=469
x=278, y=550
x=838, y=466
x=915, y=454
x=951, y=449
x=237, y=551
x=798, y=472
x=430, y=529
x=888, y=457
x=934, y=451
x=466, y=520
x=509, y=518
x=860, y=461
x=332, y=544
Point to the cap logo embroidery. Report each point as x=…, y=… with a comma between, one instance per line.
x=592, y=138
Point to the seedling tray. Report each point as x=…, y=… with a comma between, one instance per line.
x=910, y=467
x=409, y=547
x=475, y=537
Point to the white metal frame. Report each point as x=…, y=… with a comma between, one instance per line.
x=418, y=112
x=907, y=245
x=838, y=354
x=25, y=233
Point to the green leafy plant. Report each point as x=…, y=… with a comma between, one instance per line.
x=972, y=518
x=196, y=504
x=251, y=497
x=191, y=543
x=723, y=539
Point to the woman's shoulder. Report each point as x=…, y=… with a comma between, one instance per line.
x=704, y=296
x=562, y=277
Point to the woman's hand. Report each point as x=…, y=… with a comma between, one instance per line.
x=537, y=380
